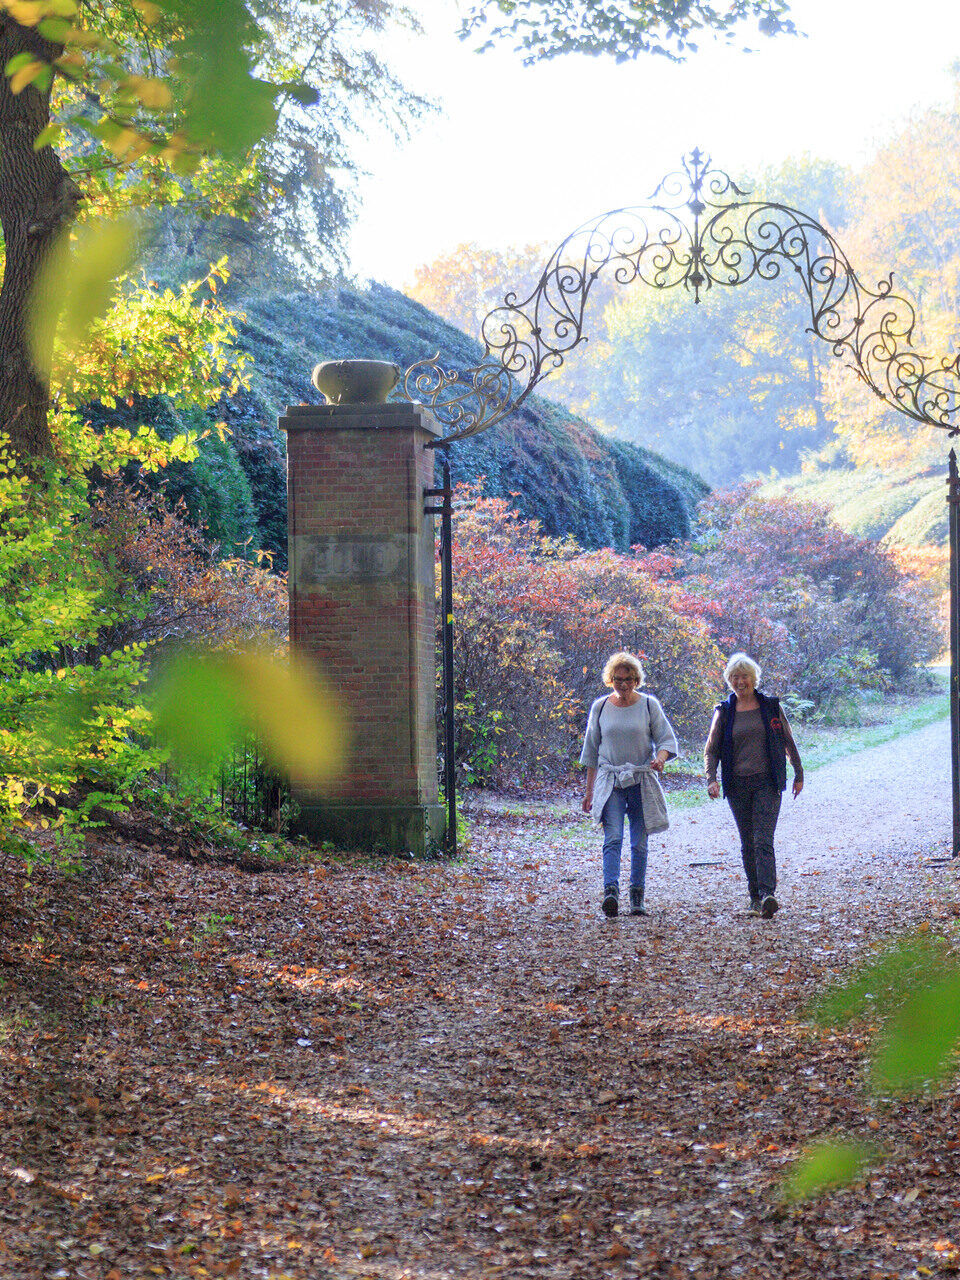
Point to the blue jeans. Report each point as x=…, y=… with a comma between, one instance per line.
x=624, y=803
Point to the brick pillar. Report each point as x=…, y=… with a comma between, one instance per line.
x=363, y=606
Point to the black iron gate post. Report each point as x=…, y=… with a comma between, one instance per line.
x=445, y=512
x=953, y=502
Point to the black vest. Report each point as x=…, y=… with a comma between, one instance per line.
x=776, y=746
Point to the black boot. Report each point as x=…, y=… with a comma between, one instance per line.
x=636, y=902
x=611, y=900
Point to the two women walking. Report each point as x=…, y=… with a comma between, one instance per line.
x=628, y=741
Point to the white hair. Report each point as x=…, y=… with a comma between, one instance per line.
x=742, y=662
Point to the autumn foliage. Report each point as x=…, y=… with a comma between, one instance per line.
x=176, y=585
x=826, y=614
x=536, y=618
x=97, y=569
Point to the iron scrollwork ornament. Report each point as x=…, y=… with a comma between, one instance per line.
x=702, y=233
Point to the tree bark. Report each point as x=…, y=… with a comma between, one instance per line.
x=38, y=200
x=813, y=382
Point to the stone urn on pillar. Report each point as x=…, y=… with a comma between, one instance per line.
x=356, y=381
x=363, y=602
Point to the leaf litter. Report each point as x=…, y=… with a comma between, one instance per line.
x=411, y=1071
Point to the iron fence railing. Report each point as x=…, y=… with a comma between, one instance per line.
x=251, y=791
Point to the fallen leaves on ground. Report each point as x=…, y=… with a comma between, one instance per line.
x=417, y=1071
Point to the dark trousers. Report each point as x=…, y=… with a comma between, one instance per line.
x=755, y=803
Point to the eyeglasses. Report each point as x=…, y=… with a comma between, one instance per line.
x=624, y=679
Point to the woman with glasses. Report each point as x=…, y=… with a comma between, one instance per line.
x=627, y=743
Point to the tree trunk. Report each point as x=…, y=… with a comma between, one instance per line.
x=38, y=199
x=813, y=383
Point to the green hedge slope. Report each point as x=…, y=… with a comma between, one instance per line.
x=555, y=467
x=902, y=506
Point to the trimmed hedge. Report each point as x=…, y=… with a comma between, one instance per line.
x=553, y=466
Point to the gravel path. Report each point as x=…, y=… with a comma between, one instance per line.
x=464, y=1071
x=687, y=1028
x=875, y=815
x=868, y=832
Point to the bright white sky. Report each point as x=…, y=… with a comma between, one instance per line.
x=524, y=154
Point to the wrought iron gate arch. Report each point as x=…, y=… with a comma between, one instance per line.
x=697, y=240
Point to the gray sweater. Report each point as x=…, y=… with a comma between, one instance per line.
x=620, y=744
x=630, y=735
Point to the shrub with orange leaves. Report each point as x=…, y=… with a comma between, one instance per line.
x=513, y=709
x=536, y=620
x=929, y=566
x=825, y=612
x=635, y=602
x=173, y=585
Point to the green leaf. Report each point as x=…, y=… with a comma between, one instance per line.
x=31, y=72
x=228, y=107
x=826, y=1165
x=76, y=285
x=47, y=137
x=62, y=717
x=919, y=1045
x=879, y=987
x=184, y=163
x=16, y=62
x=913, y=991
x=43, y=78
x=56, y=30
x=197, y=711
x=205, y=703
x=106, y=129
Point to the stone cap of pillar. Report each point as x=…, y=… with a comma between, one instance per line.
x=362, y=417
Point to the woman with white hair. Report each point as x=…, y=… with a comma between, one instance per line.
x=750, y=739
x=627, y=743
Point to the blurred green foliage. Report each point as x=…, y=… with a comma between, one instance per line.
x=76, y=286
x=913, y=991
x=910, y=997
x=159, y=102
x=826, y=1165
x=205, y=704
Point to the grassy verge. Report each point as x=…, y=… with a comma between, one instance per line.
x=882, y=719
